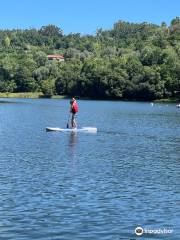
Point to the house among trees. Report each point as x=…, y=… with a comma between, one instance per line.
x=56, y=57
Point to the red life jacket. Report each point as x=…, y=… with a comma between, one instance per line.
x=74, y=107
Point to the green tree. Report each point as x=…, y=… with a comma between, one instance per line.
x=7, y=86
x=24, y=80
x=40, y=58
x=51, y=31
x=6, y=42
x=48, y=87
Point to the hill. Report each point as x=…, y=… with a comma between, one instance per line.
x=129, y=61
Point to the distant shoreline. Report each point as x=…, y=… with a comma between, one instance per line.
x=39, y=95
x=33, y=95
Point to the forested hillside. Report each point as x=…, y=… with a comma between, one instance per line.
x=129, y=61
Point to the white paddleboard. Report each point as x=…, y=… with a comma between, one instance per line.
x=84, y=129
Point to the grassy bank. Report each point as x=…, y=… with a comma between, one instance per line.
x=167, y=100
x=21, y=95
x=29, y=95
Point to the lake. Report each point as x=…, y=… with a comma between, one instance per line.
x=88, y=186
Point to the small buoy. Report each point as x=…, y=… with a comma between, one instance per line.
x=152, y=104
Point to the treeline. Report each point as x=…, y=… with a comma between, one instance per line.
x=130, y=61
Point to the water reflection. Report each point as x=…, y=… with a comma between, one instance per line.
x=72, y=139
x=72, y=144
x=72, y=151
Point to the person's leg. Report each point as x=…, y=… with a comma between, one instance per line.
x=74, y=122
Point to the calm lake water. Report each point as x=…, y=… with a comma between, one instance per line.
x=88, y=186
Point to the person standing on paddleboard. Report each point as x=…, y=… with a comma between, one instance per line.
x=73, y=110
